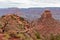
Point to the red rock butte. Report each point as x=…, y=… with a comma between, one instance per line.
x=46, y=14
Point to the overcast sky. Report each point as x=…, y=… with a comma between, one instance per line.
x=29, y=3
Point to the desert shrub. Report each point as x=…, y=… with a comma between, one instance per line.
x=12, y=35
x=21, y=26
x=13, y=18
x=17, y=35
x=0, y=26
x=56, y=37
x=52, y=37
x=28, y=37
x=37, y=34
x=23, y=36
x=6, y=36
x=20, y=35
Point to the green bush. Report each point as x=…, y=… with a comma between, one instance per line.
x=56, y=37
x=37, y=34
x=0, y=26
x=52, y=37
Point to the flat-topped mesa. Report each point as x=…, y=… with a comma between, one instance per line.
x=46, y=14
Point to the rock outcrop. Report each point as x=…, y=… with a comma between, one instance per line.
x=47, y=25
x=17, y=28
x=46, y=14
x=12, y=22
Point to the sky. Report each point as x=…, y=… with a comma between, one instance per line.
x=29, y=3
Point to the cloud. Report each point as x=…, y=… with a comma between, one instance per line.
x=3, y=0
x=29, y=3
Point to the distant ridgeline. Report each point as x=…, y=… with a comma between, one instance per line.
x=31, y=13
